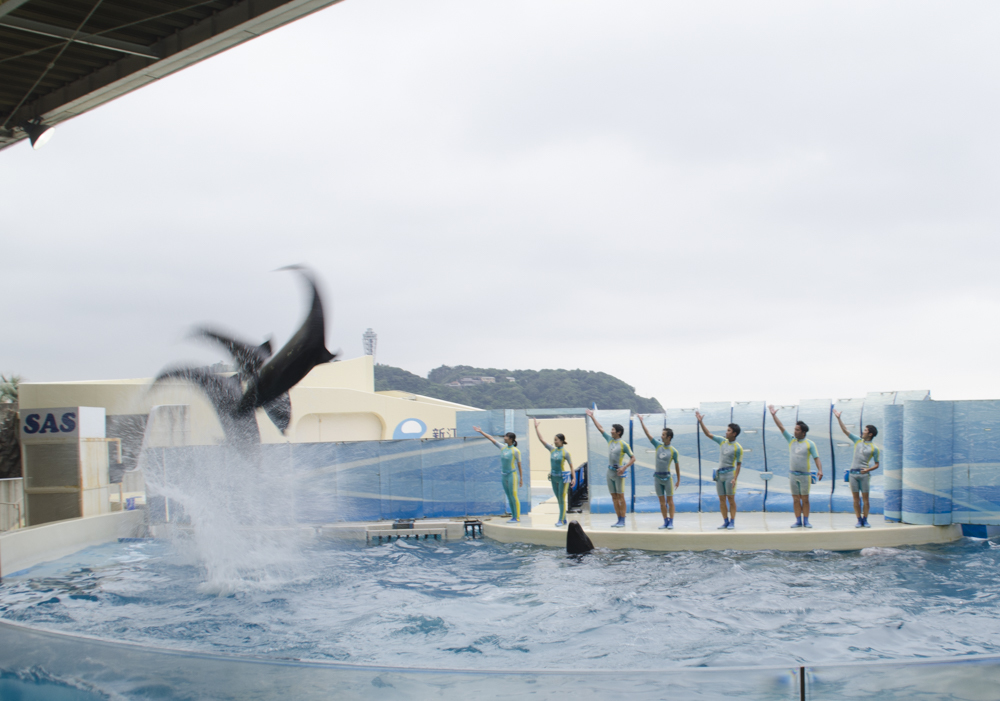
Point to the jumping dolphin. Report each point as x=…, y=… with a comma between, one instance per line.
x=577, y=542
x=259, y=383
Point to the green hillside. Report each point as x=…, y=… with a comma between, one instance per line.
x=531, y=389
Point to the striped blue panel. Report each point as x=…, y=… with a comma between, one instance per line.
x=401, y=479
x=750, y=487
x=465, y=420
x=443, y=467
x=483, y=489
x=818, y=415
x=843, y=451
x=927, y=462
x=597, y=460
x=976, y=467
x=779, y=497
x=359, y=490
x=892, y=461
x=717, y=415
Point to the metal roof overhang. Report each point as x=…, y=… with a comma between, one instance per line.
x=61, y=58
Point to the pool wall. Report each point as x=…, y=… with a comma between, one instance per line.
x=374, y=480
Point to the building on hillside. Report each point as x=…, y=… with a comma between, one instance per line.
x=454, y=384
x=487, y=380
x=511, y=379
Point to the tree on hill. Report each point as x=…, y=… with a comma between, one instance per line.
x=531, y=389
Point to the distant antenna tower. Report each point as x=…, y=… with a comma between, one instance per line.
x=370, y=339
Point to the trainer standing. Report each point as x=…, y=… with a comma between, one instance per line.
x=800, y=449
x=662, y=479
x=561, y=478
x=864, y=453
x=508, y=455
x=730, y=462
x=617, y=450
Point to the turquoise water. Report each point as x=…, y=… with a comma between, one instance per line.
x=480, y=604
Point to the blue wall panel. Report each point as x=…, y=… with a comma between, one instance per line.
x=779, y=497
x=315, y=478
x=892, y=461
x=401, y=479
x=927, y=462
x=750, y=487
x=483, y=490
x=443, y=483
x=818, y=415
x=976, y=468
x=597, y=460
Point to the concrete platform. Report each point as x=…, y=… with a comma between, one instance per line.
x=692, y=531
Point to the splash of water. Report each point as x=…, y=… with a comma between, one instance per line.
x=229, y=509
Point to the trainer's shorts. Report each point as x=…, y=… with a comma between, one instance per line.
x=725, y=485
x=860, y=483
x=800, y=484
x=664, y=485
x=616, y=483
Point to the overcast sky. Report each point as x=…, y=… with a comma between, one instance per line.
x=711, y=200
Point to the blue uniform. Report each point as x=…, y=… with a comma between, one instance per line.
x=559, y=475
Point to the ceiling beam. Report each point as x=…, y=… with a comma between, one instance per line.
x=9, y=6
x=48, y=30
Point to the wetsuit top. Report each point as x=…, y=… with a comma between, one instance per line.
x=558, y=457
x=864, y=452
x=730, y=453
x=509, y=456
x=665, y=454
x=617, y=450
x=799, y=452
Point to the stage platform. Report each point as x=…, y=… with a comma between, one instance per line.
x=699, y=531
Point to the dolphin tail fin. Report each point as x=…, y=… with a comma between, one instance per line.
x=280, y=412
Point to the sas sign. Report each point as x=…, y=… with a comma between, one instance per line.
x=66, y=423
x=49, y=421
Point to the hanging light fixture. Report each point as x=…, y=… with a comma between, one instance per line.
x=38, y=133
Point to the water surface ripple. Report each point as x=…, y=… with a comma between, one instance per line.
x=485, y=604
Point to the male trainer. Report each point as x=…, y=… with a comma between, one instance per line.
x=730, y=461
x=864, y=452
x=617, y=450
x=800, y=449
x=662, y=479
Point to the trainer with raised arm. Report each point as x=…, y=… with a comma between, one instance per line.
x=730, y=462
x=508, y=455
x=561, y=478
x=663, y=481
x=617, y=450
x=864, y=452
x=800, y=449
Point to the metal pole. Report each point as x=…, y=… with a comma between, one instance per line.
x=630, y=423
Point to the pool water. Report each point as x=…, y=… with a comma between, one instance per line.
x=481, y=604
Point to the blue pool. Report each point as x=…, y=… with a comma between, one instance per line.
x=478, y=605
